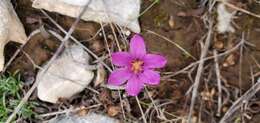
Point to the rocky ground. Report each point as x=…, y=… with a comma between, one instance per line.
x=202, y=60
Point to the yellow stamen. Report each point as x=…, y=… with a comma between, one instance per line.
x=137, y=66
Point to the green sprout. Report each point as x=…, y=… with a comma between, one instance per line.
x=10, y=96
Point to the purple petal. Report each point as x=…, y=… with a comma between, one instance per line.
x=154, y=61
x=121, y=58
x=137, y=46
x=134, y=86
x=150, y=77
x=119, y=76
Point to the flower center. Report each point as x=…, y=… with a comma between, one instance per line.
x=137, y=66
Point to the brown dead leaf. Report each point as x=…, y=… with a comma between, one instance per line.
x=83, y=111
x=171, y=22
x=113, y=110
x=230, y=60
x=97, y=46
x=105, y=98
x=219, y=45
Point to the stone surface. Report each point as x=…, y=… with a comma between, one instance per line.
x=89, y=118
x=122, y=12
x=224, y=19
x=10, y=28
x=67, y=75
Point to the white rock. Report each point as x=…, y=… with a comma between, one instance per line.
x=224, y=19
x=10, y=28
x=66, y=76
x=89, y=118
x=122, y=12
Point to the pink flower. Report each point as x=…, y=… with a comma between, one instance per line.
x=136, y=67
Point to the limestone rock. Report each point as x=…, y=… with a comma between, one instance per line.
x=224, y=19
x=122, y=12
x=89, y=118
x=67, y=75
x=10, y=28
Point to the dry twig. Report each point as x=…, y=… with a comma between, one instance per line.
x=219, y=84
x=199, y=72
x=69, y=111
x=239, y=9
x=141, y=110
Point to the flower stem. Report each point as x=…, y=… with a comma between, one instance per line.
x=141, y=110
